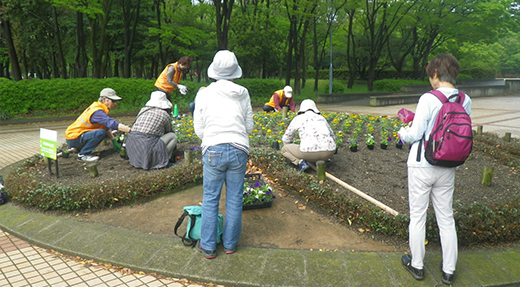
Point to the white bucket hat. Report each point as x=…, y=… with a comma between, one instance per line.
x=224, y=66
x=158, y=100
x=307, y=105
x=109, y=94
x=287, y=91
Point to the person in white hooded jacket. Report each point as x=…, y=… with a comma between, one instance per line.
x=223, y=121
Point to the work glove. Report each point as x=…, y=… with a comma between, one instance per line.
x=182, y=89
x=117, y=147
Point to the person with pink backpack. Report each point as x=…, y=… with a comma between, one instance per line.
x=435, y=177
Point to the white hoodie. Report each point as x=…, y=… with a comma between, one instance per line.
x=223, y=114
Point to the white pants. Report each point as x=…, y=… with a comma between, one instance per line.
x=439, y=183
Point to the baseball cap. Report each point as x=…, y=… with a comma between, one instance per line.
x=109, y=94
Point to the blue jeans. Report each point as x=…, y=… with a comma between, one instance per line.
x=223, y=163
x=88, y=141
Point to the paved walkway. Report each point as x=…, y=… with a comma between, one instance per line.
x=24, y=264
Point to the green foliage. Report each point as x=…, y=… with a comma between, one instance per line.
x=58, y=96
x=337, y=88
x=391, y=85
x=261, y=89
x=480, y=73
x=25, y=189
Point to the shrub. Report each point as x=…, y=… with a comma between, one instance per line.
x=260, y=90
x=337, y=88
x=395, y=85
x=24, y=188
x=480, y=73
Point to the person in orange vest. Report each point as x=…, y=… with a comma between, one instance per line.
x=280, y=99
x=93, y=125
x=170, y=77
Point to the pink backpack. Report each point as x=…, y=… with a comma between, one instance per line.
x=451, y=139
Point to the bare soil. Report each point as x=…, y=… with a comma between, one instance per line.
x=289, y=223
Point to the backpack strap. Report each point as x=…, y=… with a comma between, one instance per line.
x=460, y=96
x=179, y=222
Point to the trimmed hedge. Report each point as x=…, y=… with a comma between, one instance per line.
x=60, y=96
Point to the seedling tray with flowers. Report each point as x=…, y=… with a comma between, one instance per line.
x=257, y=193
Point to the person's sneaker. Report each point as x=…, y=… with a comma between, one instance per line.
x=302, y=166
x=208, y=254
x=230, y=250
x=87, y=157
x=447, y=278
x=418, y=274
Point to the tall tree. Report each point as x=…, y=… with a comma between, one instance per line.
x=6, y=32
x=380, y=21
x=223, y=9
x=131, y=10
x=300, y=13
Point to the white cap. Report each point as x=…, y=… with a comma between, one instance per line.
x=224, y=66
x=287, y=91
x=109, y=94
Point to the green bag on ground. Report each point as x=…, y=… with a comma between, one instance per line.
x=193, y=229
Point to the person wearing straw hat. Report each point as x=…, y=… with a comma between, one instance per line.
x=94, y=125
x=316, y=137
x=223, y=120
x=280, y=99
x=152, y=141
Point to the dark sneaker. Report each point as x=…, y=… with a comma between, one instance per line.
x=88, y=157
x=230, y=250
x=302, y=166
x=208, y=254
x=447, y=278
x=418, y=274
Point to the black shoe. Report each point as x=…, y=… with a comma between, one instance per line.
x=418, y=274
x=447, y=278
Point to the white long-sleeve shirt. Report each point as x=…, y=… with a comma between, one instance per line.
x=427, y=109
x=223, y=114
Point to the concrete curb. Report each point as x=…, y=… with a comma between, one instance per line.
x=249, y=266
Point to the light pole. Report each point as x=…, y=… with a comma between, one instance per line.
x=330, y=67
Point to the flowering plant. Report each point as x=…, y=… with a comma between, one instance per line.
x=369, y=139
x=257, y=192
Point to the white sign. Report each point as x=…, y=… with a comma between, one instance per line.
x=48, y=143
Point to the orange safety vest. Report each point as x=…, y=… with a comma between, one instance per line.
x=281, y=96
x=83, y=124
x=162, y=80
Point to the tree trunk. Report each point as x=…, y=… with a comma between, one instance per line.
x=81, y=59
x=223, y=9
x=130, y=19
x=6, y=31
x=60, y=48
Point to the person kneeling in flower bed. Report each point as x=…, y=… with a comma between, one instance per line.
x=257, y=192
x=316, y=135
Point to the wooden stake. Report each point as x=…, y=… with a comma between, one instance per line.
x=507, y=137
x=320, y=170
x=188, y=156
x=92, y=169
x=480, y=130
x=284, y=112
x=487, y=175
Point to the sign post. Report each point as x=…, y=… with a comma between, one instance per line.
x=48, y=147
